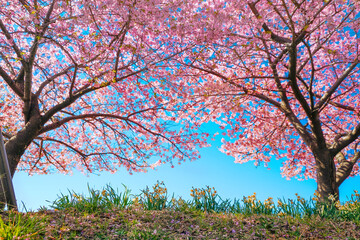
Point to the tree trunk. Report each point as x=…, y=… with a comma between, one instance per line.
x=16, y=146
x=326, y=176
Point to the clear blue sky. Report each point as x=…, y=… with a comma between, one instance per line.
x=214, y=169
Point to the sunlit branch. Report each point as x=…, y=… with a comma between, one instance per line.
x=345, y=166
x=345, y=140
x=337, y=104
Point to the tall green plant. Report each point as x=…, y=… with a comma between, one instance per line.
x=15, y=225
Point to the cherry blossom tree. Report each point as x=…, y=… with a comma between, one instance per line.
x=84, y=85
x=282, y=76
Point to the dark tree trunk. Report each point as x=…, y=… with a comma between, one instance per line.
x=326, y=176
x=16, y=146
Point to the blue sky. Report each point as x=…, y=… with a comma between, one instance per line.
x=214, y=169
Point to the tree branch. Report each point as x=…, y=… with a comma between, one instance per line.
x=10, y=82
x=326, y=97
x=311, y=94
x=345, y=140
x=293, y=80
x=274, y=37
x=83, y=155
x=28, y=66
x=11, y=42
x=57, y=124
x=345, y=167
x=52, y=78
x=284, y=106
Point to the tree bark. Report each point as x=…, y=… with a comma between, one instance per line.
x=326, y=176
x=16, y=146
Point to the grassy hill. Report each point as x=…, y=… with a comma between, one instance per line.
x=110, y=214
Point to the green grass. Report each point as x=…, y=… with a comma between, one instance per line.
x=110, y=214
x=15, y=225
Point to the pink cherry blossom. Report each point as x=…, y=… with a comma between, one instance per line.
x=84, y=85
x=283, y=78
